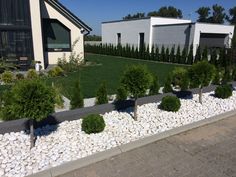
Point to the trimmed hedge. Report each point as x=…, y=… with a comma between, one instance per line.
x=93, y=123
x=223, y=91
x=170, y=103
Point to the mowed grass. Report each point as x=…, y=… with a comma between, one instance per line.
x=109, y=69
x=106, y=68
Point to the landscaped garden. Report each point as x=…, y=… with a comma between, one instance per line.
x=26, y=152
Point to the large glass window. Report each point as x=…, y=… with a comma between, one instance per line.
x=15, y=32
x=14, y=12
x=56, y=36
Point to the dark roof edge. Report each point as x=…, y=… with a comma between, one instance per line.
x=61, y=8
x=176, y=24
x=135, y=19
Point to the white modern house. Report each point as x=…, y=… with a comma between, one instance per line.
x=168, y=32
x=39, y=30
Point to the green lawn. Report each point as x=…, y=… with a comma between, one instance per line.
x=109, y=69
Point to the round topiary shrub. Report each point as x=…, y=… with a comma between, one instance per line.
x=56, y=71
x=32, y=74
x=93, y=123
x=7, y=77
x=170, y=103
x=223, y=91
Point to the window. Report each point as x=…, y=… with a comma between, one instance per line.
x=56, y=36
x=141, y=41
x=118, y=38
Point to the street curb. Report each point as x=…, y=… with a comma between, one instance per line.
x=73, y=165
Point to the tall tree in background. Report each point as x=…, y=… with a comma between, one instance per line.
x=169, y=11
x=203, y=14
x=231, y=18
x=134, y=16
x=217, y=14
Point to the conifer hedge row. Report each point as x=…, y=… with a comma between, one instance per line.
x=218, y=56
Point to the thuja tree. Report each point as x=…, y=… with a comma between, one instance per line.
x=162, y=55
x=180, y=78
x=178, y=55
x=172, y=54
x=77, y=99
x=101, y=96
x=136, y=79
x=155, y=86
x=201, y=74
x=190, y=55
x=183, y=56
x=167, y=55
x=205, y=53
x=30, y=99
x=198, y=56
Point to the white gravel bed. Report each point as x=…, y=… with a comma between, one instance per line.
x=59, y=144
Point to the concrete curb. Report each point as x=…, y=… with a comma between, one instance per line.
x=73, y=165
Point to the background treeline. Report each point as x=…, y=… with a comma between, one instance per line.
x=220, y=57
x=92, y=38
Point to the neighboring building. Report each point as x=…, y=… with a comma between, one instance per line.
x=168, y=32
x=38, y=30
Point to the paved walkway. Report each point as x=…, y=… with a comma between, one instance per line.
x=209, y=151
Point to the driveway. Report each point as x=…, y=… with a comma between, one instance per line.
x=208, y=151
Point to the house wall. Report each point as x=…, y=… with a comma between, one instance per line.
x=49, y=12
x=37, y=31
x=173, y=35
x=129, y=32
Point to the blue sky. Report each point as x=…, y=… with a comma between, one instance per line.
x=93, y=12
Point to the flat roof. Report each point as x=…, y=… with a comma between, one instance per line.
x=143, y=18
x=192, y=23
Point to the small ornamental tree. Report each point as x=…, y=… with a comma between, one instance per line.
x=77, y=99
x=205, y=53
x=136, y=79
x=213, y=59
x=201, y=74
x=180, y=78
x=167, y=56
x=155, y=86
x=157, y=55
x=167, y=86
x=30, y=99
x=163, y=55
x=101, y=97
x=121, y=94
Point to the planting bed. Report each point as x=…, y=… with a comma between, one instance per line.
x=59, y=144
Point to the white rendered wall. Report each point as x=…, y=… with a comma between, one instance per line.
x=37, y=31
x=129, y=32
x=211, y=28
x=49, y=12
x=163, y=21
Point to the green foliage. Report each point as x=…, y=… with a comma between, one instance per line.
x=136, y=80
x=101, y=97
x=198, y=56
x=223, y=91
x=121, y=94
x=201, y=74
x=32, y=74
x=234, y=74
x=166, y=11
x=134, y=16
x=190, y=55
x=59, y=102
x=218, y=77
x=203, y=13
x=56, y=71
x=155, y=86
x=163, y=54
x=6, y=66
x=93, y=123
x=170, y=103
x=180, y=78
x=20, y=76
x=7, y=77
x=205, y=53
x=77, y=99
x=172, y=55
x=167, y=86
x=213, y=59
x=184, y=56
x=92, y=38
x=30, y=99
x=167, y=55
x=227, y=77
x=178, y=55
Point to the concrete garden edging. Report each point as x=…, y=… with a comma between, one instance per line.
x=56, y=118
x=73, y=165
